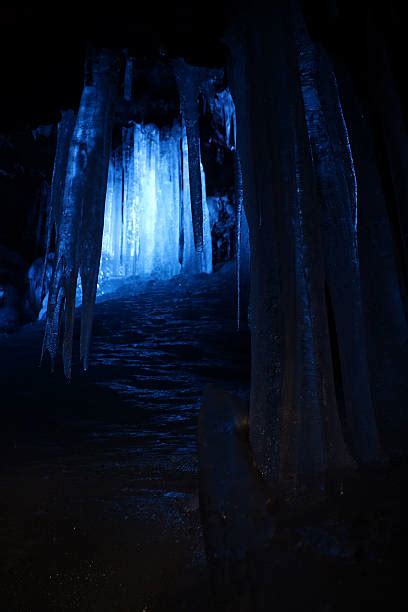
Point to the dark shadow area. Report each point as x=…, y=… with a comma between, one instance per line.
x=98, y=486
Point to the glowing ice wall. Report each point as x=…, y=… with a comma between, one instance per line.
x=148, y=229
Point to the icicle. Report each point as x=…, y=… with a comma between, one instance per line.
x=65, y=128
x=353, y=188
x=181, y=210
x=79, y=230
x=41, y=232
x=336, y=177
x=188, y=91
x=155, y=227
x=239, y=195
x=230, y=118
x=128, y=79
x=228, y=107
x=222, y=107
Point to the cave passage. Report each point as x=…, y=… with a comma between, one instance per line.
x=212, y=224
x=99, y=477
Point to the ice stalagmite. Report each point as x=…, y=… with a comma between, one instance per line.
x=80, y=226
x=334, y=166
x=188, y=91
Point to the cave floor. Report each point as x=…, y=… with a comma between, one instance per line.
x=99, y=477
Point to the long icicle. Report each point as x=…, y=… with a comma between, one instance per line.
x=239, y=195
x=79, y=230
x=230, y=117
x=188, y=91
x=65, y=128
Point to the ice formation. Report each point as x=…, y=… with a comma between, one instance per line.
x=148, y=229
x=222, y=108
x=139, y=210
x=188, y=85
x=337, y=187
x=79, y=182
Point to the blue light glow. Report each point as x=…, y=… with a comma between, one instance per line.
x=148, y=228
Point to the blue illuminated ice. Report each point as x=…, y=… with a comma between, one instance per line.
x=222, y=108
x=148, y=230
x=77, y=197
x=189, y=81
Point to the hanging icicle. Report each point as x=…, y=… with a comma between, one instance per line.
x=65, y=128
x=128, y=79
x=222, y=108
x=80, y=218
x=188, y=91
x=239, y=196
x=336, y=178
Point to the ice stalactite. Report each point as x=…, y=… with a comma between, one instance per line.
x=181, y=209
x=294, y=426
x=194, y=261
x=42, y=215
x=188, y=91
x=225, y=104
x=80, y=217
x=128, y=79
x=336, y=177
x=65, y=128
x=387, y=331
x=148, y=228
x=222, y=108
x=239, y=195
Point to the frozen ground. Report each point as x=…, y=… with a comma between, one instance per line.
x=98, y=478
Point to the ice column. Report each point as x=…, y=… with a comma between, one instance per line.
x=148, y=228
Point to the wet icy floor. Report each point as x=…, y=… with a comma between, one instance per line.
x=98, y=480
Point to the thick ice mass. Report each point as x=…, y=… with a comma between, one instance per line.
x=148, y=230
x=337, y=184
x=79, y=185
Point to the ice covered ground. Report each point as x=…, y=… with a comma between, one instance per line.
x=98, y=481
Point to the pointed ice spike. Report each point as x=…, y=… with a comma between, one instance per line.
x=91, y=242
x=79, y=231
x=188, y=91
x=65, y=128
